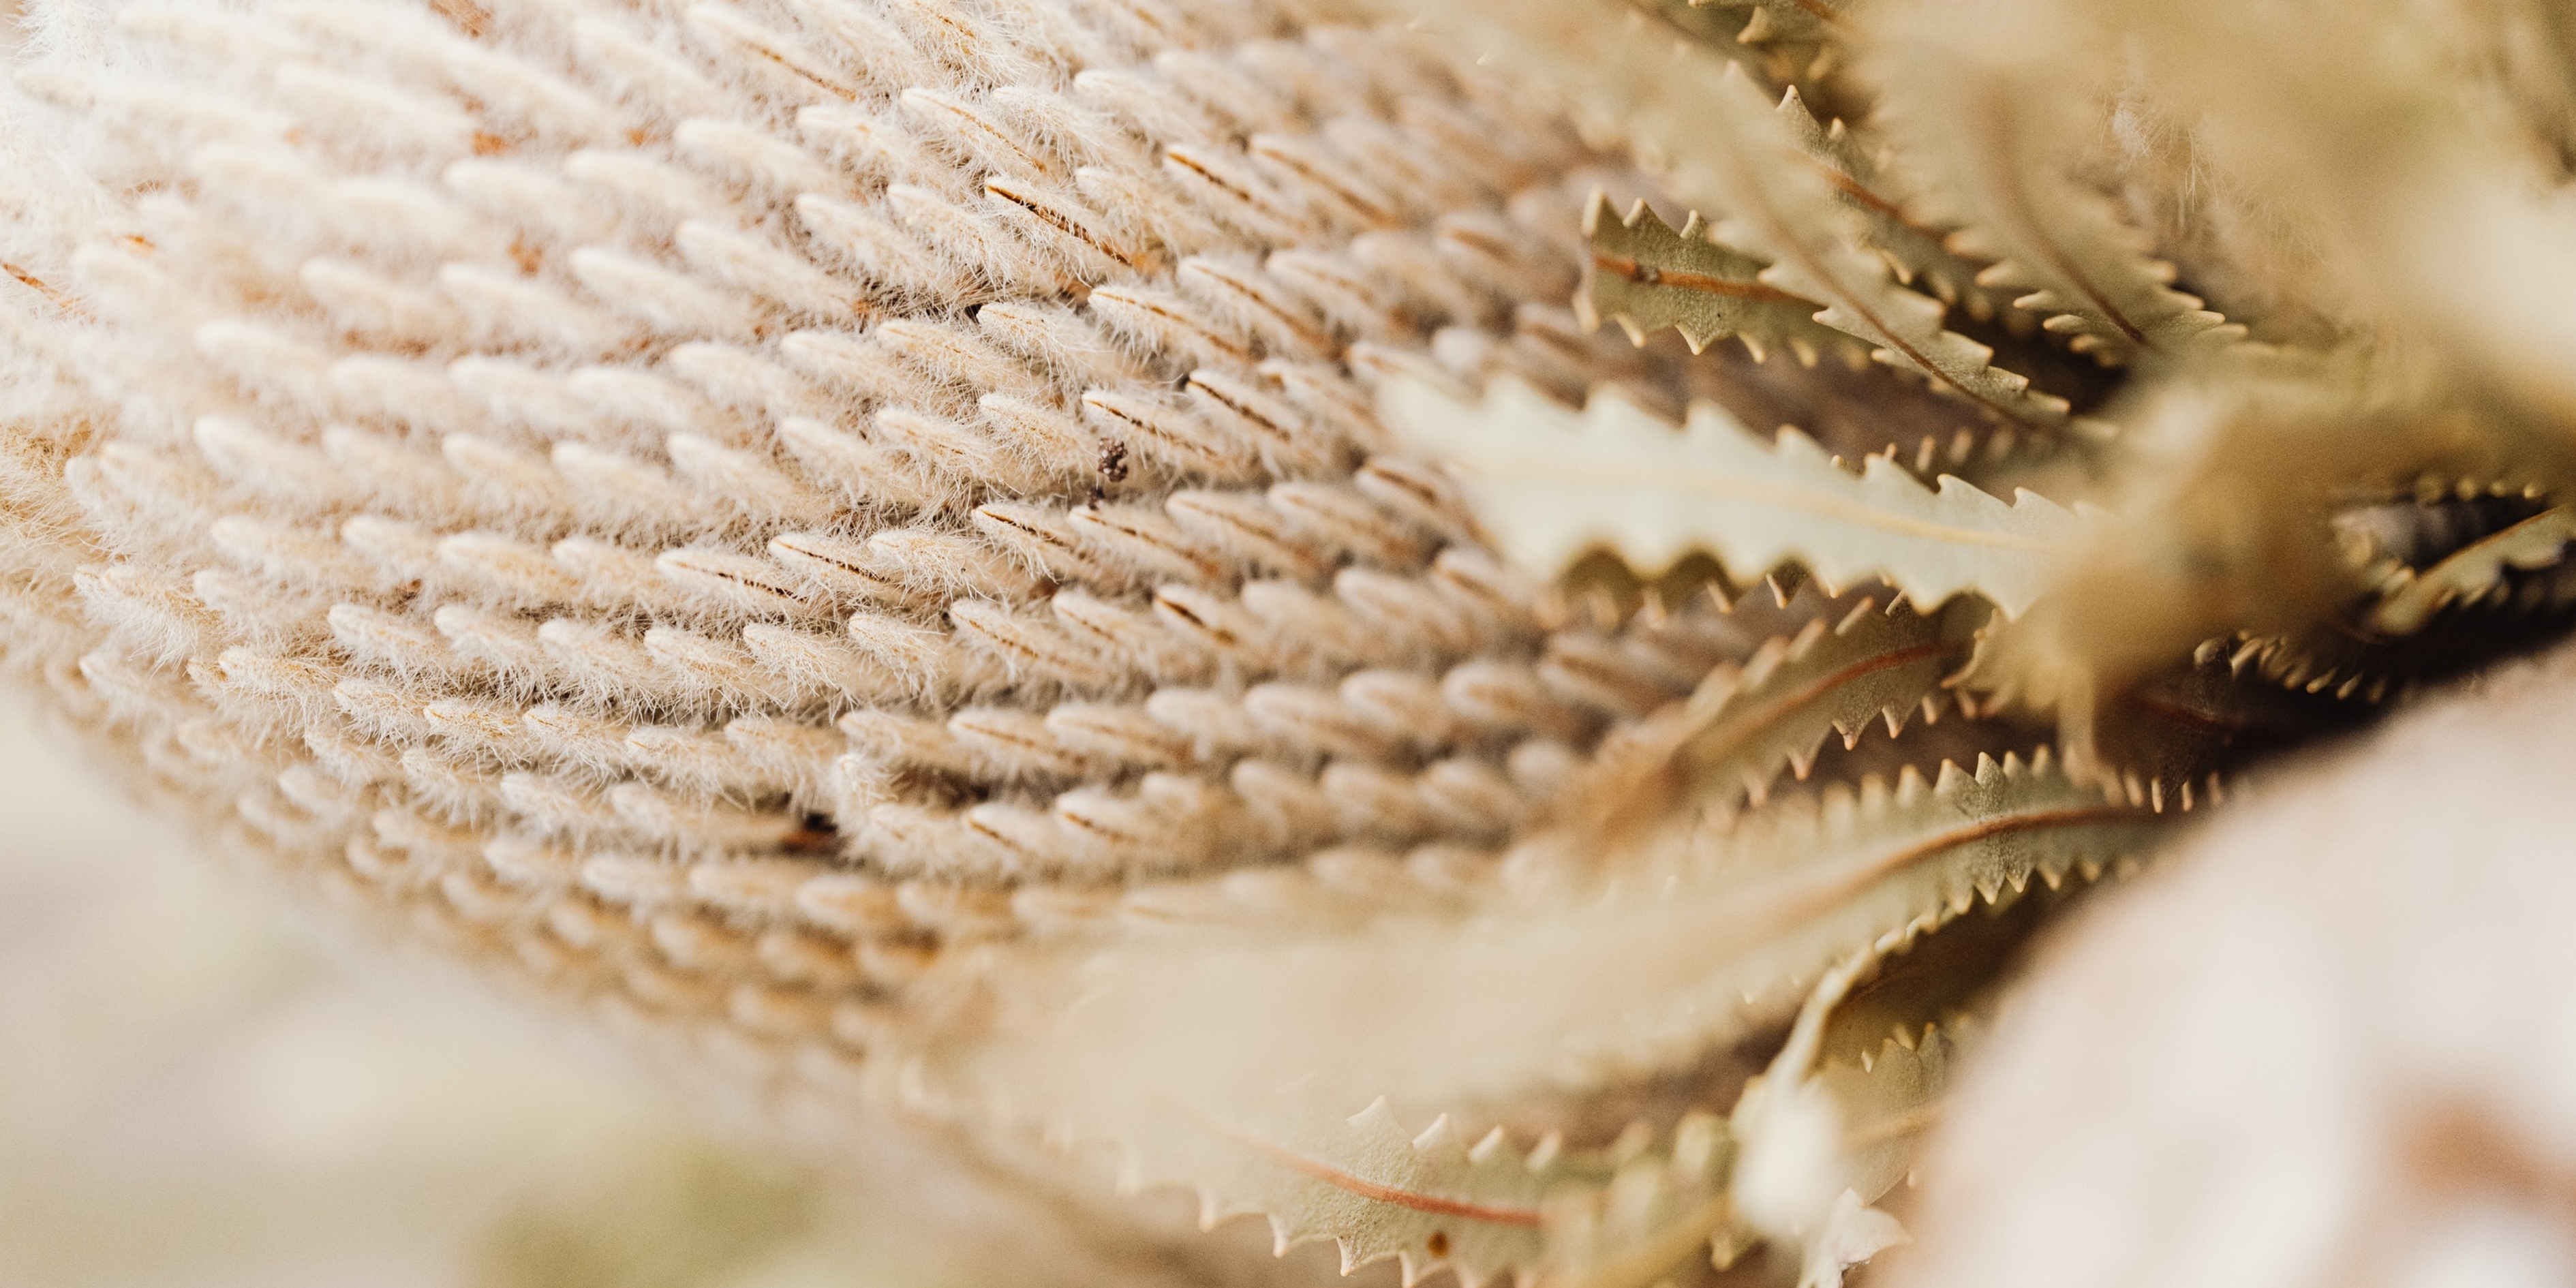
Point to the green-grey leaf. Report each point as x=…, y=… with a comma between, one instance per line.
x=1646, y=276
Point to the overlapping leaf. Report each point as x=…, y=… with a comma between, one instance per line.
x=1721, y=146
x=1646, y=276
x=1860, y=180
x=1839, y=672
x=1696, y=949
x=1661, y=1209
x=1820, y=1140
x=1817, y=248
x=1430, y=1200
x=1873, y=665
x=1863, y=182
x=1657, y=1211
x=1845, y=1134
x=2412, y=598
x=1221, y=1061
x=2000, y=169
x=1781, y=63
x=1771, y=20
x=2223, y=520
x=1890, y=1101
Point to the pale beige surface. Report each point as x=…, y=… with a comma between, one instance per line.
x=194, y=1091
x=2330, y=1042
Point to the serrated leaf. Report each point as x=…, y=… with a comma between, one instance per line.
x=1776, y=62
x=2415, y=532
x=1219, y=1060
x=1694, y=115
x=1816, y=245
x=1692, y=945
x=1785, y=19
x=1939, y=980
x=1657, y=1211
x=1551, y=484
x=1890, y=1101
x=1873, y=867
x=1821, y=1140
x=1619, y=1215
x=1841, y=670
x=2000, y=169
x=2472, y=571
x=2175, y=733
x=2320, y=659
x=1864, y=184
x=1879, y=1112
x=1485, y=1209
x=1430, y=1200
x=1874, y=665
x=1640, y=1227
x=2224, y=518
x=1646, y=276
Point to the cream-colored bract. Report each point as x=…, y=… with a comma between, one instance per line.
x=1552, y=483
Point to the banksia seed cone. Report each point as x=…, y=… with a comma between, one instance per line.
x=709, y=511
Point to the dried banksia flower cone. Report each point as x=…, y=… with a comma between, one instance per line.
x=982, y=568
x=714, y=511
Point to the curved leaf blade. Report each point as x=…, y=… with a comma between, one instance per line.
x=1551, y=484
x=1647, y=276
x=2540, y=541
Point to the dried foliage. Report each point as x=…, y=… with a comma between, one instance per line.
x=994, y=558
x=2249, y=530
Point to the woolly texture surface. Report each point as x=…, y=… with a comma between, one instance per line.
x=707, y=509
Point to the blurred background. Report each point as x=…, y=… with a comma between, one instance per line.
x=197, y=1091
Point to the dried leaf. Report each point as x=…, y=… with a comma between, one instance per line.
x=1816, y=244
x=1551, y=484
x=1939, y=980
x=1997, y=159
x=1890, y=1101
x=1706, y=935
x=1695, y=116
x=1875, y=1113
x=2173, y=734
x=1864, y=183
x=2224, y=524
x=1874, y=665
x=1900, y=859
x=2355, y=145
x=1820, y=1143
x=1221, y=1061
x=1786, y=19
x=1656, y=1212
x=1839, y=672
x=1646, y=276
x=1796, y=217
x=2466, y=574
x=1812, y=66
x=1431, y=1200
